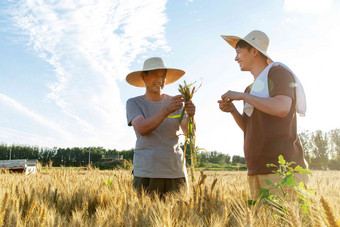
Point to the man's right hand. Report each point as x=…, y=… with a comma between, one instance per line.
x=175, y=104
x=226, y=106
x=145, y=126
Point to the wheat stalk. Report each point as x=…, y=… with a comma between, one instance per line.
x=4, y=202
x=41, y=215
x=249, y=218
x=6, y=220
x=122, y=206
x=293, y=218
x=328, y=211
x=30, y=211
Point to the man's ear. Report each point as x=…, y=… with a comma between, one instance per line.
x=254, y=52
x=257, y=53
x=143, y=76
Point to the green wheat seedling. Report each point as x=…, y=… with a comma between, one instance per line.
x=286, y=173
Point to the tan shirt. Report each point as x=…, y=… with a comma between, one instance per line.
x=267, y=136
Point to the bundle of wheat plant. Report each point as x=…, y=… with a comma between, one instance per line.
x=190, y=132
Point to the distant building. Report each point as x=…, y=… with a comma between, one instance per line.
x=112, y=157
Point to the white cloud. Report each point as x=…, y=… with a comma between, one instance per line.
x=187, y=2
x=90, y=45
x=12, y=136
x=42, y=120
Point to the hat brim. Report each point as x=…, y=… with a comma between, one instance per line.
x=233, y=40
x=172, y=75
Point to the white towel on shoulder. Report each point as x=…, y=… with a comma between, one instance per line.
x=260, y=89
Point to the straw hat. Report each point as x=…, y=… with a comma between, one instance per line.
x=257, y=39
x=172, y=75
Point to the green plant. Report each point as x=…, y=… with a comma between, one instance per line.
x=286, y=172
x=109, y=183
x=190, y=138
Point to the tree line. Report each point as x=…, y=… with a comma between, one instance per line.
x=77, y=156
x=322, y=151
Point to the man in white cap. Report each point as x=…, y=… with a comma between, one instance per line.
x=158, y=157
x=269, y=115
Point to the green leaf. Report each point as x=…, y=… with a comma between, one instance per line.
x=288, y=181
x=299, y=169
x=182, y=115
x=282, y=161
x=268, y=182
x=271, y=165
x=305, y=209
x=191, y=126
x=291, y=163
x=264, y=193
x=174, y=116
x=290, y=169
x=109, y=182
x=273, y=197
x=302, y=185
x=251, y=202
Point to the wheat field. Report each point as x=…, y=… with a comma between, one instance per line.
x=105, y=198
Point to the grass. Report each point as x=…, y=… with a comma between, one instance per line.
x=62, y=168
x=222, y=167
x=66, y=197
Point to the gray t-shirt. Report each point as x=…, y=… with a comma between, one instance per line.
x=157, y=154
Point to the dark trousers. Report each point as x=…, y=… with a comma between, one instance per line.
x=160, y=186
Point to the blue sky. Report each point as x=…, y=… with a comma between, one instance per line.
x=63, y=64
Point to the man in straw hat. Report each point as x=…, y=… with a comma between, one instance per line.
x=269, y=114
x=158, y=157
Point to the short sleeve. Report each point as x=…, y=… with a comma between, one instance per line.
x=132, y=110
x=281, y=82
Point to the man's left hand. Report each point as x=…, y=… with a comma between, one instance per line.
x=232, y=95
x=190, y=108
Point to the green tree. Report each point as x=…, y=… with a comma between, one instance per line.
x=202, y=159
x=217, y=158
x=335, y=140
x=4, y=152
x=238, y=159
x=46, y=155
x=335, y=144
x=320, y=150
x=227, y=159
x=305, y=138
x=127, y=154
